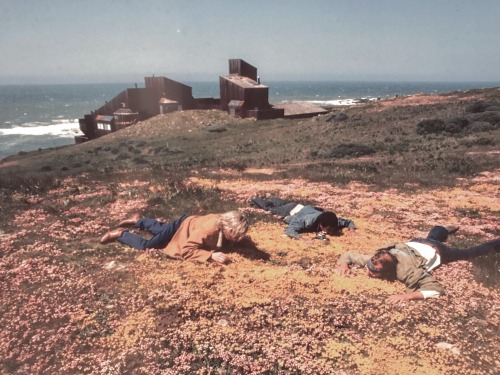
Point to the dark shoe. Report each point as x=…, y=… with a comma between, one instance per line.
x=111, y=236
x=251, y=201
x=131, y=221
x=452, y=228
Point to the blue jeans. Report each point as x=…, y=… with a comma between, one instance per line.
x=439, y=234
x=162, y=234
x=275, y=205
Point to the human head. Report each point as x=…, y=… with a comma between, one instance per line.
x=233, y=225
x=328, y=222
x=382, y=265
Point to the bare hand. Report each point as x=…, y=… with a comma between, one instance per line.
x=343, y=269
x=405, y=297
x=352, y=233
x=397, y=298
x=220, y=258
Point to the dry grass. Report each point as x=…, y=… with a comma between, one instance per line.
x=71, y=305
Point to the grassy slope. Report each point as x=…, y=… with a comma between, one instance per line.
x=70, y=305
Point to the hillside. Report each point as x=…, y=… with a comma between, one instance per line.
x=396, y=167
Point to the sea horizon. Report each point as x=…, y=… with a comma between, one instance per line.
x=34, y=116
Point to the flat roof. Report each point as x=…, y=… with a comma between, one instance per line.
x=300, y=108
x=244, y=82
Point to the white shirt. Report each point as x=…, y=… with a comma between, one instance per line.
x=433, y=260
x=427, y=252
x=296, y=209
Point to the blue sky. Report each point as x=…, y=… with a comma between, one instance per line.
x=73, y=41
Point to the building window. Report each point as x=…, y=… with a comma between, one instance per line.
x=103, y=126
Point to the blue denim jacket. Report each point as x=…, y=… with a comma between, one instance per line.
x=302, y=221
x=305, y=219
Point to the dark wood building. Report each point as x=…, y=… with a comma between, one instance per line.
x=242, y=94
x=136, y=104
x=124, y=117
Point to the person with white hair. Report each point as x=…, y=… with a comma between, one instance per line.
x=189, y=237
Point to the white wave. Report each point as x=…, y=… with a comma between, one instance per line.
x=63, y=128
x=341, y=101
x=332, y=102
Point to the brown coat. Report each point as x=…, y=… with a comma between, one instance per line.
x=195, y=239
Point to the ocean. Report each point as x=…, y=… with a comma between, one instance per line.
x=43, y=116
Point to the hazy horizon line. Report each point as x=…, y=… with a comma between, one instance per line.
x=37, y=82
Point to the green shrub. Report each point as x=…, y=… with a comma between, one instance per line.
x=29, y=183
x=351, y=150
x=480, y=106
x=479, y=142
x=431, y=126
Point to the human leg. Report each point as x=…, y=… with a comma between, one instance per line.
x=283, y=210
x=162, y=233
x=130, y=221
x=133, y=240
x=261, y=203
x=151, y=225
x=275, y=205
x=267, y=204
x=277, y=202
x=158, y=241
x=449, y=254
x=111, y=236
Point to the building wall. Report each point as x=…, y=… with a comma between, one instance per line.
x=114, y=104
x=253, y=97
x=242, y=68
x=144, y=102
x=166, y=88
x=256, y=98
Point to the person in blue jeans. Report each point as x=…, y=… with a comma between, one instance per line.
x=198, y=238
x=302, y=218
x=162, y=232
x=412, y=262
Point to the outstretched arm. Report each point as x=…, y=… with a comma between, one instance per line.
x=405, y=297
x=294, y=228
x=348, y=259
x=198, y=246
x=346, y=223
x=428, y=287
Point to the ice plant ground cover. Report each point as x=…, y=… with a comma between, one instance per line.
x=70, y=305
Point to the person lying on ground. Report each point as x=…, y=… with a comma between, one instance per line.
x=302, y=219
x=411, y=262
x=188, y=237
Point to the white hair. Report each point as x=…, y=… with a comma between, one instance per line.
x=233, y=225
